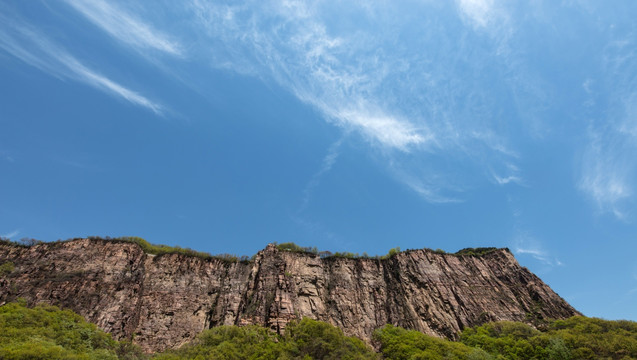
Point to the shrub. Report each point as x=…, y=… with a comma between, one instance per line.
x=476, y=251
x=346, y=255
x=290, y=246
x=165, y=249
x=6, y=268
x=574, y=338
x=392, y=252
x=230, y=342
x=46, y=332
x=305, y=339
x=399, y=343
x=320, y=340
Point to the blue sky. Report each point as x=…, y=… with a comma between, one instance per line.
x=350, y=126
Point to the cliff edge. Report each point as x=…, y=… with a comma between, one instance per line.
x=164, y=301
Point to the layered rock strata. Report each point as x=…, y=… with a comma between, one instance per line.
x=164, y=301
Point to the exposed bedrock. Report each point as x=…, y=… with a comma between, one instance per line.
x=164, y=301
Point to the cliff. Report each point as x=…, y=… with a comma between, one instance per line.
x=163, y=301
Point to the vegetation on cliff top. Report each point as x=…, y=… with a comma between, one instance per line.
x=165, y=249
x=158, y=249
x=46, y=332
x=292, y=247
x=149, y=248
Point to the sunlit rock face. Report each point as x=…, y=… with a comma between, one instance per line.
x=164, y=301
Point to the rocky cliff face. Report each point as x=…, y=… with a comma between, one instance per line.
x=164, y=301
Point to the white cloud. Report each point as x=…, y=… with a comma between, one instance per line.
x=328, y=162
x=12, y=234
x=35, y=49
x=609, y=169
x=7, y=157
x=608, y=164
x=525, y=244
x=387, y=130
x=290, y=43
x=427, y=187
x=126, y=27
x=398, y=94
x=507, y=179
x=512, y=175
x=367, y=68
x=606, y=185
x=103, y=83
x=479, y=12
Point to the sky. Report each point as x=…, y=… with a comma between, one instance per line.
x=355, y=126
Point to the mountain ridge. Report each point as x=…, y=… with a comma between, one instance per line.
x=162, y=301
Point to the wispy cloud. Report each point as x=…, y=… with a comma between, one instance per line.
x=12, y=234
x=387, y=130
x=628, y=296
x=507, y=179
x=606, y=179
x=82, y=165
x=479, y=12
x=35, y=49
x=318, y=230
x=126, y=27
x=539, y=255
x=511, y=175
x=328, y=162
x=525, y=244
x=406, y=101
x=608, y=164
x=7, y=157
x=427, y=187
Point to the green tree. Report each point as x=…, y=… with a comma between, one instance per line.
x=320, y=340
x=46, y=332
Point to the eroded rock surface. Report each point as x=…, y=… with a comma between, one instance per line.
x=164, y=301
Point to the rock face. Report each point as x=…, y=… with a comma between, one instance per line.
x=164, y=301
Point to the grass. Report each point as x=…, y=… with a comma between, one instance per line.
x=158, y=249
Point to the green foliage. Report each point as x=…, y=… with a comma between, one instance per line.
x=24, y=242
x=398, y=343
x=8, y=242
x=392, y=252
x=162, y=249
x=307, y=339
x=346, y=255
x=290, y=246
x=165, y=249
x=6, y=268
x=230, y=342
x=575, y=338
x=476, y=251
x=318, y=340
x=510, y=339
x=46, y=332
